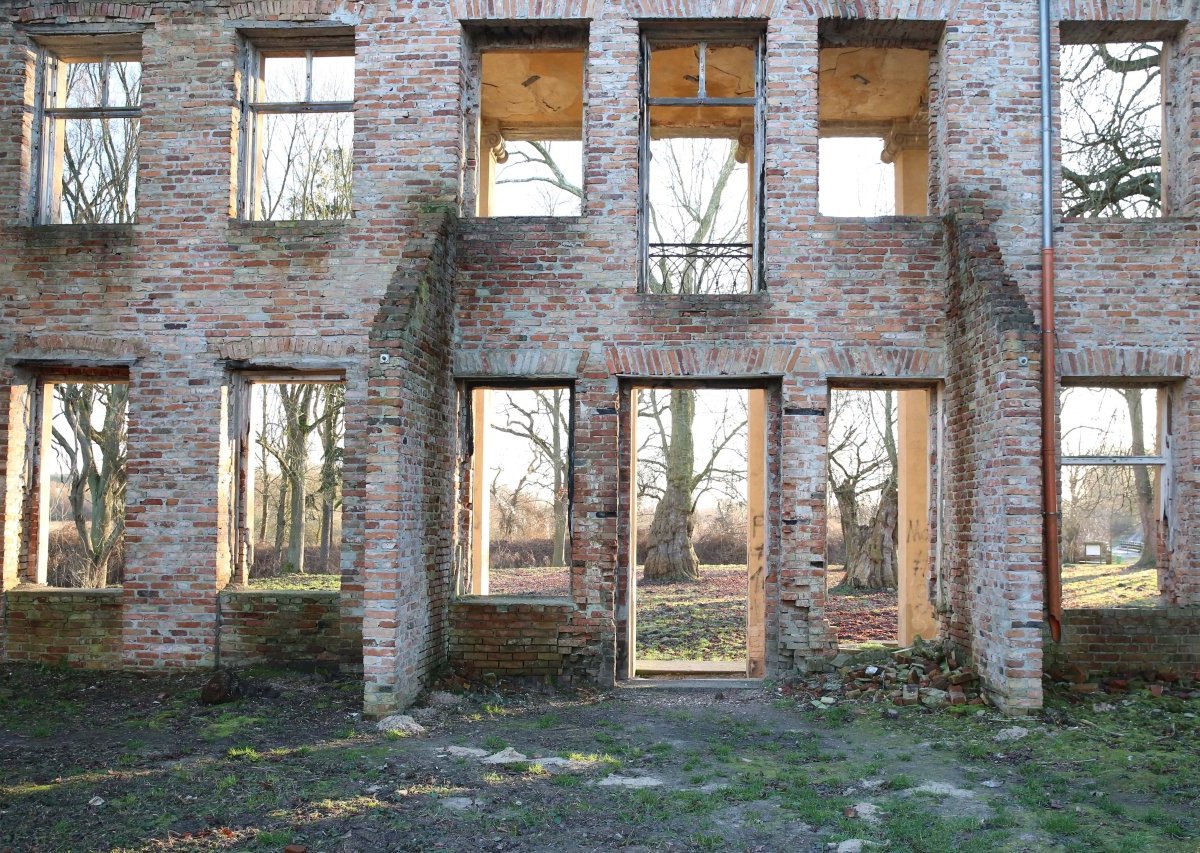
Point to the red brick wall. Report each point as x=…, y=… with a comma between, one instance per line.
x=187, y=294
x=991, y=578
x=73, y=627
x=301, y=629
x=510, y=637
x=1130, y=640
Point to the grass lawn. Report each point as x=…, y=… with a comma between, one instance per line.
x=131, y=762
x=1091, y=585
x=297, y=581
x=693, y=621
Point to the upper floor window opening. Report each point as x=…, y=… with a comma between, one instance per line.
x=701, y=169
x=530, y=143
x=297, y=129
x=1111, y=128
x=90, y=97
x=873, y=93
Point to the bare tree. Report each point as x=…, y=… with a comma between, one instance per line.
x=863, y=479
x=99, y=155
x=92, y=450
x=544, y=423
x=1112, y=129
x=668, y=473
x=331, y=431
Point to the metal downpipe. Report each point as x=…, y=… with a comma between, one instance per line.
x=1050, y=514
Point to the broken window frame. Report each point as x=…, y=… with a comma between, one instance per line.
x=651, y=39
x=40, y=448
x=241, y=423
x=52, y=57
x=1160, y=460
x=256, y=49
x=477, y=567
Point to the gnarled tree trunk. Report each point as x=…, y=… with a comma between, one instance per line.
x=670, y=555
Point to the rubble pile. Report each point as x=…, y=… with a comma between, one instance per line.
x=925, y=673
x=1157, y=682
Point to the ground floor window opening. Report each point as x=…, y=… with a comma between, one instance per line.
x=292, y=489
x=521, y=491
x=1114, y=443
x=81, y=504
x=877, y=515
x=697, y=529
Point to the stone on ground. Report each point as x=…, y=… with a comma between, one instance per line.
x=402, y=724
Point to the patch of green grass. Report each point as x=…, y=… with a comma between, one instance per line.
x=246, y=753
x=495, y=743
x=296, y=581
x=900, y=781
x=548, y=721
x=227, y=725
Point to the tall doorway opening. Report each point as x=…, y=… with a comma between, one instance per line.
x=880, y=491
x=697, y=553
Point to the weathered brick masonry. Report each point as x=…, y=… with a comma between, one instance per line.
x=188, y=298
x=286, y=628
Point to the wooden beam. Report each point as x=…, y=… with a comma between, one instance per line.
x=756, y=516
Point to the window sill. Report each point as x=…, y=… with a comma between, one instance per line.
x=64, y=591
x=705, y=300
x=509, y=600
x=83, y=236
x=287, y=226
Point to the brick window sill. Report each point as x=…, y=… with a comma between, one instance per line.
x=32, y=589
x=83, y=236
x=510, y=600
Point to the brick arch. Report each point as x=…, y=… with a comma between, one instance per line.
x=1125, y=363
x=467, y=10
x=299, y=10
x=881, y=363
x=703, y=361
x=274, y=348
x=70, y=347
x=82, y=11
x=522, y=363
x=938, y=10
x=704, y=8
x=1115, y=10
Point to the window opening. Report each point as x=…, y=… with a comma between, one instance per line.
x=873, y=111
x=81, y=540
x=879, y=486
x=701, y=166
x=521, y=484
x=297, y=133
x=292, y=484
x=91, y=120
x=697, y=582
x=1113, y=465
x=1112, y=116
x=531, y=133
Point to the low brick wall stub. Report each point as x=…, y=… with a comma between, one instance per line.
x=79, y=628
x=299, y=629
x=1129, y=640
x=511, y=636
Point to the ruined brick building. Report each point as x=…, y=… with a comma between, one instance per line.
x=416, y=297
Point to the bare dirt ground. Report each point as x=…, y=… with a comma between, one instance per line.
x=116, y=761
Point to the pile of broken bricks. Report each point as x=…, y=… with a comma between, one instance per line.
x=925, y=674
x=1156, y=682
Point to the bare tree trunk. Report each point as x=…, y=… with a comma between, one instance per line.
x=558, y=550
x=670, y=555
x=295, y=545
x=873, y=566
x=1147, y=511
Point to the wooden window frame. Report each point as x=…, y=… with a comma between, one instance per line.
x=652, y=38
x=253, y=111
x=49, y=117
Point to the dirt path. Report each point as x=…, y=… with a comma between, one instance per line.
x=94, y=761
